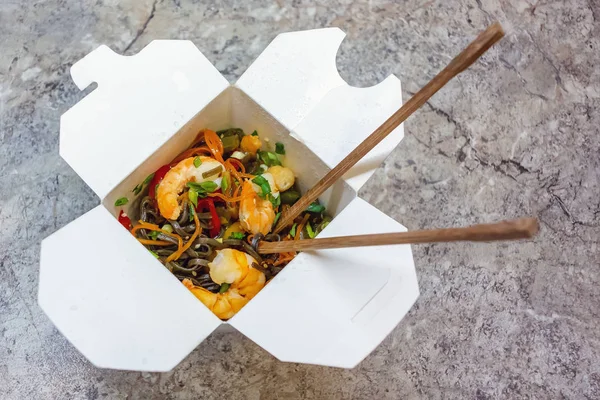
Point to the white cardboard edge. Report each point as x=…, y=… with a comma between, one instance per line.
x=335, y=306
x=114, y=301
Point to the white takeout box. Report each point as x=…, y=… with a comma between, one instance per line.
x=121, y=308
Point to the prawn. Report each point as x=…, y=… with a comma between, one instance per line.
x=175, y=180
x=231, y=267
x=256, y=215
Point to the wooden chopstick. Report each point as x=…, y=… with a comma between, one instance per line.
x=522, y=228
x=468, y=56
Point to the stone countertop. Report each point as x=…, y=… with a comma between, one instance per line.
x=518, y=133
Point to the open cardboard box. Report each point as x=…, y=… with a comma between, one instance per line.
x=121, y=308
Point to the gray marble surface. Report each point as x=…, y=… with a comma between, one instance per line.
x=516, y=134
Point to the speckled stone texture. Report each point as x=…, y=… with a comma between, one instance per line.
x=518, y=133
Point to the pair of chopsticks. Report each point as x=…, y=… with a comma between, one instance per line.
x=506, y=230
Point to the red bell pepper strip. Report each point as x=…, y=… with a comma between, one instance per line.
x=124, y=220
x=216, y=222
x=158, y=177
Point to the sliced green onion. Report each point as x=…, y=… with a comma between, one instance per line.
x=276, y=218
x=154, y=234
x=193, y=195
x=276, y=201
x=279, y=148
x=225, y=182
x=254, y=133
x=192, y=211
x=289, y=196
x=293, y=230
x=237, y=235
x=203, y=187
x=121, y=202
x=224, y=287
x=167, y=228
x=212, y=172
x=153, y=253
x=197, y=162
x=315, y=207
x=230, y=143
x=264, y=185
x=136, y=190
x=269, y=158
x=309, y=230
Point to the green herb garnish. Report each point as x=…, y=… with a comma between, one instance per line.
x=293, y=230
x=121, y=202
x=202, y=188
x=154, y=234
x=269, y=158
x=276, y=218
x=136, y=190
x=254, y=133
x=279, y=148
x=167, y=228
x=237, y=235
x=315, y=207
x=276, y=201
x=264, y=185
x=153, y=253
x=192, y=211
x=225, y=182
x=193, y=196
x=197, y=162
x=224, y=287
x=309, y=230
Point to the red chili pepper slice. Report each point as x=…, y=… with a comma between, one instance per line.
x=216, y=222
x=124, y=220
x=158, y=177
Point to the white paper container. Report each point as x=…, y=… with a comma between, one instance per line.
x=121, y=308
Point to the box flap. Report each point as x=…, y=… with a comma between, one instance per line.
x=296, y=80
x=294, y=73
x=140, y=102
x=333, y=307
x=344, y=118
x=118, y=305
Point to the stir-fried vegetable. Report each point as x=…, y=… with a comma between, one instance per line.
x=226, y=192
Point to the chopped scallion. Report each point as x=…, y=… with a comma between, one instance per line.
x=197, y=162
x=224, y=287
x=315, y=207
x=237, y=235
x=293, y=230
x=309, y=230
x=279, y=148
x=264, y=185
x=121, y=202
x=193, y=195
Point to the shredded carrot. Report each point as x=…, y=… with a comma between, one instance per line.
x=214, y=144
x=154, y=227
x=231, y=168
x=194, y=151
x=301, y=226
x=181, y=249
x=247, y=176
x=235, y=161
x=226, y=198
x=150, y=242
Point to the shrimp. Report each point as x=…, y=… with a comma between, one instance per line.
x=175, y=180
x=256, y=215
x=234, y=268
